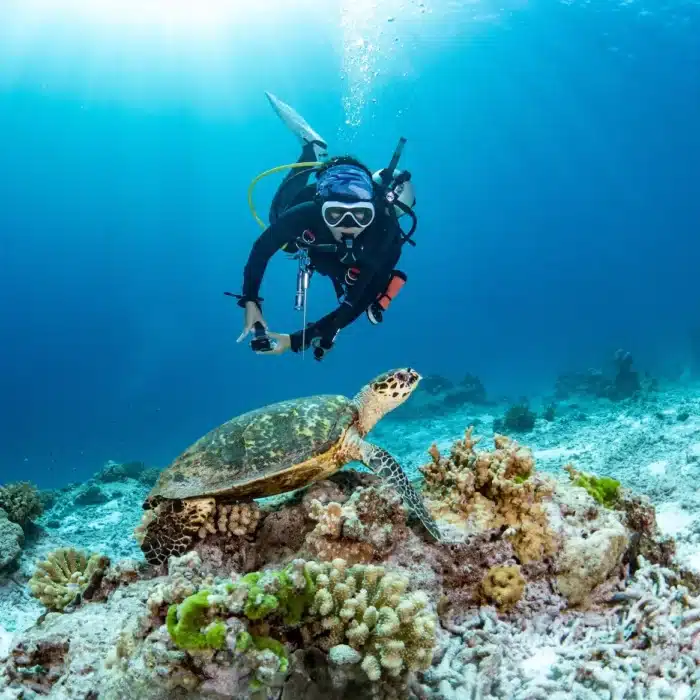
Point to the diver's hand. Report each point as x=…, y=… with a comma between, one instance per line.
x=253, y=315
x=281, y=343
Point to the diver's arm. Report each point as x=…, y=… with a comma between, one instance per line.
x=286, y=229
x=359, y=297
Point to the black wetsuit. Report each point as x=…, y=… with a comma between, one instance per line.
x=376, y=251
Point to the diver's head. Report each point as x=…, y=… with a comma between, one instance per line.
x=346, y=194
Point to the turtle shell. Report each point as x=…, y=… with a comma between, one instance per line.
x=255, y=453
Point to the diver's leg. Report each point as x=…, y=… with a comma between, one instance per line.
x=314, y=150
x=290, y=189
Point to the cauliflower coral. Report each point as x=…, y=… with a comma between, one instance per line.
x=492, y=490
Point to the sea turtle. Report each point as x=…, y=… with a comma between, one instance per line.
x=273, y=449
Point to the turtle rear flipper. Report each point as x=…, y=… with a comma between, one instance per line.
x=389, y=470
x=175, y=525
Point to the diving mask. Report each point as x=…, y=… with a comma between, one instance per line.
x=336, y=214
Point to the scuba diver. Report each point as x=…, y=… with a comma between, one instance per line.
x=345, y=226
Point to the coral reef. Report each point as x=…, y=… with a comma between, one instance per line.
x=365, y=528
x=546, y=588
x=65, y=576
x=603, y=489
x=625, y=383
x=238, y=519
x=549, y=412
x=21, y=502
x=492, y=490
x=188, y=635
x=503, y=585
x=11, y=540
x=579, y=544
x=517, y=419
x=643, y=647
x=90, y=496
x=361, y=615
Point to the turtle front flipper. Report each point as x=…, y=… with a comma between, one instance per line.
x=171, y=527
x=388, y=469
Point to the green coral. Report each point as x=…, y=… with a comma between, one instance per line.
x=65, y=576
x=359, y=614
x=603, y=489
x=186, y=621
x=289, y=598
x=243, y=641
x=258, y=603
x=276, y=647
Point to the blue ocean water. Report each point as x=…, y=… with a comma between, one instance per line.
x=554, y=149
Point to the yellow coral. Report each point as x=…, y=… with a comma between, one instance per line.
x=238, y=519
x=503, y=585
x=64, y=575
x=368, y=610
x=491, y=490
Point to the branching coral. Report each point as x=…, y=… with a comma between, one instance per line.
x=64, y=576
x=21, y=502
x=369, y=609
x=239, y=519
x=603, y=489
x=492, y=489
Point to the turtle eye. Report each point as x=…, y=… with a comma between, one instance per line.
x=409, y=376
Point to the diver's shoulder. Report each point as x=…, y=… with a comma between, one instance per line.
x=305, y=214
x=302, y=209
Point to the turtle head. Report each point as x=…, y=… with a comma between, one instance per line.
x=383, y=394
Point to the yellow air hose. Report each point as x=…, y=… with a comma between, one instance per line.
x=261, y=223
